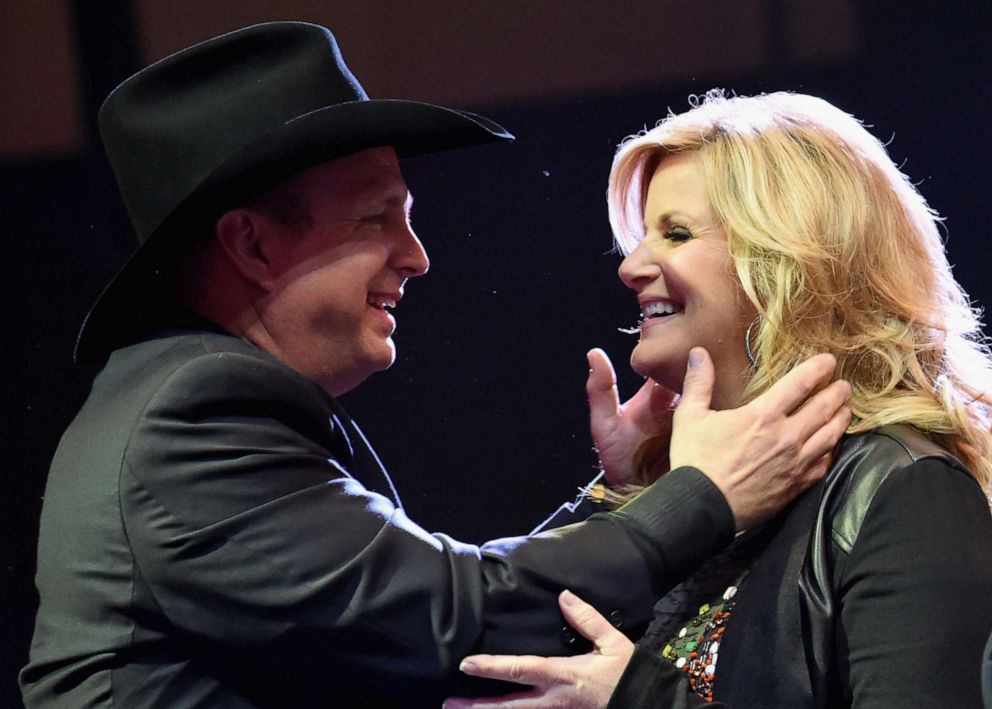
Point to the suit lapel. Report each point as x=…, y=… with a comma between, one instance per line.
x=364, y=465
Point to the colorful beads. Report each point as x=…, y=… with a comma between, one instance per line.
x=695, y=650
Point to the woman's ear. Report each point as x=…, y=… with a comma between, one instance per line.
x=246, y=238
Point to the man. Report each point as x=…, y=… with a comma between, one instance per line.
x=216, y=531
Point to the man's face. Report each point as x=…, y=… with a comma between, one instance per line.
x=327, y=311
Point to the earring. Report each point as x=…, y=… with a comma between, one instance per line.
x=747, y=342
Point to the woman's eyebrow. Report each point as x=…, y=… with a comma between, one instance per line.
x=662, y=220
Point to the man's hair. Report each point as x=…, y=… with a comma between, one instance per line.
x=837, y=251
x=284, y=202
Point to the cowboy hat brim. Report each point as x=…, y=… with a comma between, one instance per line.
x=127, y=305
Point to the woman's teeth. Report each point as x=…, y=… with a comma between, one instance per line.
x=658, y=308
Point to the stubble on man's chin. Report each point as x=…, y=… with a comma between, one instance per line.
x=341, y=379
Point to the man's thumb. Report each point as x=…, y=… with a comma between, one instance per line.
x=697, y=387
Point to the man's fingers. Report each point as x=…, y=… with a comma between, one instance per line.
x=820, y=449
x=531, y=699
x=583, y=681
x=522, y=669
x=601, y=386
x=819, y=467
x=792, y=390
x=697, y=387
x=588, y=621
x=822, y=442
x=821, y=408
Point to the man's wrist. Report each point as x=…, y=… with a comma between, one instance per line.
x=684, y=515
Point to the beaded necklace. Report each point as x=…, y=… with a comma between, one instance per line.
x=695, y=649
x=690, y=635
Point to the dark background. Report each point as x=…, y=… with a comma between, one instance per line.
x=482, y=420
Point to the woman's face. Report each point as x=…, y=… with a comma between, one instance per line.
x=686, y=285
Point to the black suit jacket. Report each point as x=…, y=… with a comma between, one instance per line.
x=217, y=532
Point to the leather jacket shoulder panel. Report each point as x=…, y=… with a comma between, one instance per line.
x=863, y=463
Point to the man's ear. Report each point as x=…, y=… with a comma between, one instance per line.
x=247, y=238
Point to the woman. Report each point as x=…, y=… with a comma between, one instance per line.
x=765, y=229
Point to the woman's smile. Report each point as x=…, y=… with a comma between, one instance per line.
x=687, y=289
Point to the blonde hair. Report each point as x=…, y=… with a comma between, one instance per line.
x=837, y=251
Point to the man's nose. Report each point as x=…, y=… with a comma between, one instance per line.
x=411, y=257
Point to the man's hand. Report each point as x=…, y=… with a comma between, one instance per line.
x=763, y=454
x=582, y=682
x=618, y=429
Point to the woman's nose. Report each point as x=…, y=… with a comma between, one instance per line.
x=638, y=268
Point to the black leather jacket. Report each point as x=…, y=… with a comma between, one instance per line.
x=872, y=591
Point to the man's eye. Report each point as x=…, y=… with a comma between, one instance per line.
x=678, y=234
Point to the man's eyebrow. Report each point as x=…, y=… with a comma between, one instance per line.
x=374, y=195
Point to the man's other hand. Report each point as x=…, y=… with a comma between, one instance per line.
x=580, y=682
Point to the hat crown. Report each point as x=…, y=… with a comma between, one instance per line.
x=198, y=132
x=167, y=128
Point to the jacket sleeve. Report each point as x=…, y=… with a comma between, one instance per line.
x=914, y=593
x=250, y=533
x=580, y=509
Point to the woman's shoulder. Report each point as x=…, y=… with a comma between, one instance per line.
x=866, y=462
x=877, y=454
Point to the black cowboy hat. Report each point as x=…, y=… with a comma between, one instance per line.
x=203, y=129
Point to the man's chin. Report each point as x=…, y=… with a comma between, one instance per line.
x=388, y=355
x=379, y=361
x=339, y=377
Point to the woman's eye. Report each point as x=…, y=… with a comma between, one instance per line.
x=678, y=233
